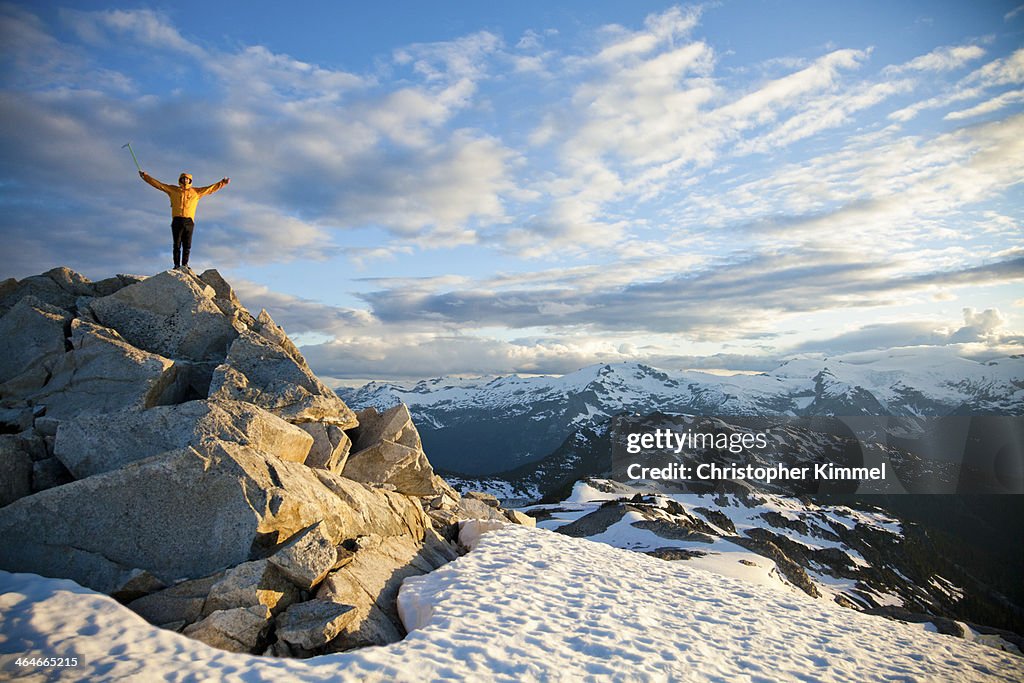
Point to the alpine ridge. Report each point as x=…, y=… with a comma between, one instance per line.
x=526, y=418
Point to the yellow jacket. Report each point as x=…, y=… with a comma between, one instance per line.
x=183, y=201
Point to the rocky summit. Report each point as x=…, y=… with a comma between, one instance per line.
x=161, y=444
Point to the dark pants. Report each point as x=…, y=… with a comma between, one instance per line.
x=181, y=234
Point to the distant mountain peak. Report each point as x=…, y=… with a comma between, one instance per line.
x=525, y=418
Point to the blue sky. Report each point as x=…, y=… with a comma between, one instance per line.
x=437, y=188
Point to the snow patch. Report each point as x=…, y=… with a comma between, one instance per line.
x=523, y=605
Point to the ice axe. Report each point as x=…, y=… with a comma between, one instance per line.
x=129, y=146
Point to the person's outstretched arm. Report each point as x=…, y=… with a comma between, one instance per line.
x=154, y=182
x=210, y=189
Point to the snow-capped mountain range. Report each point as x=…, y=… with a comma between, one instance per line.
x=512, y=420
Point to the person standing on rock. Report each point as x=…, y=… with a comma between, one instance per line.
x=184, y=199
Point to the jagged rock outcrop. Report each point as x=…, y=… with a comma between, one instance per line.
x=241, y=629
x=91, y=444
x=331, y=446
x=101, y=373
x=370, y=583
x=60, y=287
x=313, y=624
x=15, y=471
x=188, y=512
x=171, y=314
x=251, y=584
x=261, y=371
x=33, y=333
x=309, y=557
x=178, y=605
x=163, y=445
x=388, y=450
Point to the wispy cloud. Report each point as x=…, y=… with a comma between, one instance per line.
x=941, y=59
x=988, y=106
x=146, y=28
x=994, y=74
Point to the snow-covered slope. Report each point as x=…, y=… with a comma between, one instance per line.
x=859, y=556
x=524, y=605
x=818, y=549
x=518, y=419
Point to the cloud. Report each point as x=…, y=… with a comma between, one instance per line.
x=885, y=194
x=450, y=60
x=361, y=345
x=1002, y=71
x=145, y=27
x=444, y=190
x=261, y=78
x=727, y=300
x=530, y=55
x=979, y=326
x=312, y=151
x=761, y=105
x=646, y=110
x=1002, y=101
x=646, y=114
x=986, y=328
x=996, y=73
x=644, y=105
x=416, y=356
x=232, y=235
x=407, y=358
x=942, y=59
x=394, y=353
x=658, y=29
x=876, y=336
x=31, y=55
x=324, y=150
x=303, y=316
x=829, y=111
